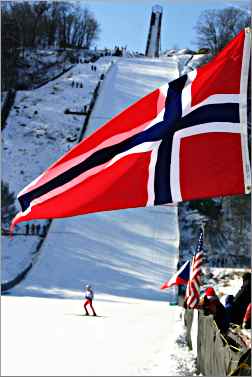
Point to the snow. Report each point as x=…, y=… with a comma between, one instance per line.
x=22, y=259
x=124, y=255
x=186, y=59
x=131, y=338
x=227, y=281
x=182, y=61
x=194, y=62
x=141, y=240
x=38, y=113
x=37, y=121
x=129, y=80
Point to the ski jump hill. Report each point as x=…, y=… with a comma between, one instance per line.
x=125, y=256
x=124, y=253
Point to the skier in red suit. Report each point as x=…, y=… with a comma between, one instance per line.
x=89, y=295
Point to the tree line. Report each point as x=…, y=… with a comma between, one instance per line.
x=228, y=218
x=216, y=27
x=42, y=24
x=47, y=24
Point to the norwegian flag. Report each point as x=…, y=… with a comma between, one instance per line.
x=186, y=140
x=181, y=277
x=193, y=286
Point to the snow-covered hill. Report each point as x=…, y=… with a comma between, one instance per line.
x=124, y=255
x=138, y=244
x=36, y=134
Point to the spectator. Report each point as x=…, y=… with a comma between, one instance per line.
x=38, y=229
x=242, y=300
x=229, y=306
x=27, y=227
x=44, y=230
x=32, y=228
x=247, y=318
x=212, y=305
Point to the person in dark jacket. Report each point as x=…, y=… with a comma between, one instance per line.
x=241, y=300
x=229, y=306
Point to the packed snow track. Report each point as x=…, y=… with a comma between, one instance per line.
x=124, y=255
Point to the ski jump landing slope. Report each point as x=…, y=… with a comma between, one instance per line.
x=125, y=255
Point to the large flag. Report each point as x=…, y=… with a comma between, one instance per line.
x=186, y=140
x=181, y=277
x=192, y=295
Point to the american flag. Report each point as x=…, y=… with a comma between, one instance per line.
x=193, y=286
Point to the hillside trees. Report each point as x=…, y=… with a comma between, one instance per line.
x=227, y=219
x=10, y=42
x=42, y=24
x=54, y=24
x=216, y=27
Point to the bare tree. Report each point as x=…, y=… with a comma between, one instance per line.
x=217, y=27
x=51, y=23
x=10, y=43
x=92, y=30
x=31, y=24
x=80, y=31
x=62, y=23
x=38, y=9
x=81, y=28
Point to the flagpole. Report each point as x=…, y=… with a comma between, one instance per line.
x=243, y=109
x=203, y=224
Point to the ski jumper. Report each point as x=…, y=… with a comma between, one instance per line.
x=89, y=295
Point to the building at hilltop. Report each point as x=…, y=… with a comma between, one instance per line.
x=153, y=41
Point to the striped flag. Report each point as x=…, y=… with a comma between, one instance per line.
x=181, y=277
x=193, y=286
x=149, y=153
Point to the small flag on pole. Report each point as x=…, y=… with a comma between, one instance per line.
x=192, y=295
x=181, y=277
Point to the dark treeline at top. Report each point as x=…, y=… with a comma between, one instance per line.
x=216, y=27
x=47, y=24
x=31, y=25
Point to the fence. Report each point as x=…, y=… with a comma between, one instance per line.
x=216, y=356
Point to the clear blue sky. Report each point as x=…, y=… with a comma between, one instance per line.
x=126, y=22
